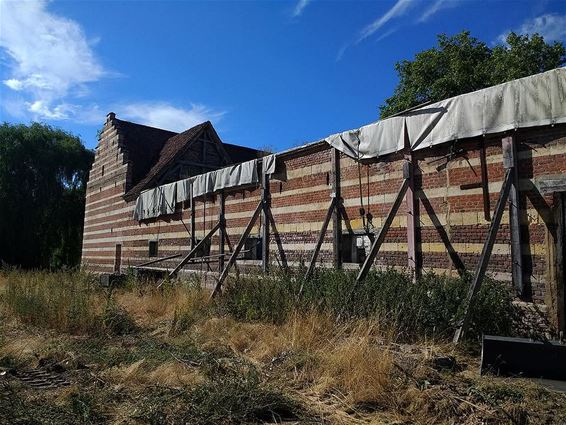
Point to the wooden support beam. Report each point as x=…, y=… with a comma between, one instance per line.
x=193, y=221
x=237, y=250
x=265, y=199
x=312, y=264
x=366, y=266
x=510, y=157
x=194, y=250
x=412, y=218
x=485, y=255
x=222, y=229
x=484, y=183
x=337, y=210
x=147, y=263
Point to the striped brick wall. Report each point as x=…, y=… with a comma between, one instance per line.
x=300, y=201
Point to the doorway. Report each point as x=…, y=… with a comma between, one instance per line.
x=118, y=259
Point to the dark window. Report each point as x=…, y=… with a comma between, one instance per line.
x=153, y=248
x=355, y=247
x=204, y=250
x=103, y=170
x=252, y=248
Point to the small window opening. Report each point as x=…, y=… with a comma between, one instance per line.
x=355, y=248
x=204, y=250
x=103, y=170
x=153, y=246
x=252, y=248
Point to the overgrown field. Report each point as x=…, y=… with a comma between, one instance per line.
x=272, y=349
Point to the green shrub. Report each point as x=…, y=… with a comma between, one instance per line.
x=430, y=307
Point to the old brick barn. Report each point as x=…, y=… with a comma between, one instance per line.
x=474, y=183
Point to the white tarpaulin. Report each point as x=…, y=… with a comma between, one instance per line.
x=162, y=199
x=527, y=102
x=244, y=174
x=184, y=189
x=269, y=164
x=155, y=202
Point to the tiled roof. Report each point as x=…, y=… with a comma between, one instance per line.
x=172, y=147
x=152, y=150
x=143, y=144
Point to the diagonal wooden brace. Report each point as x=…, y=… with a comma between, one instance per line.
x=312, y=263
x=237, y=250
x=383, y=231
x=194, y=250
x=485, y=255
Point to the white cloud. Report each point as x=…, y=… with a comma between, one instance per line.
x=166, y=116
x=434, y=8
x=49, y=57
x=551, y=26
x=300, y=7
x=398, y=9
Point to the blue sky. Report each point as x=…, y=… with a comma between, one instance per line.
x=267, y=74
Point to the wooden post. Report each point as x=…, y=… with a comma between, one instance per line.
x=510, y=162
x=265, y=200
x=484, y=182
x=237, y=250
x=312, y=264
x=194, y=250
x=193, y=211
x=383, y=231
x=412, y=218
x=485, y=255
x=222, y=229
x=337, y=210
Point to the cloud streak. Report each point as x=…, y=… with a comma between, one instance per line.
x=435, y=7
x=166, y=116
x=398, y=9
x=550, y=26
x=300, y=7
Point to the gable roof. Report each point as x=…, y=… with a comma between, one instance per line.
x=172, y=147
x=142, y=144
x=164, y=153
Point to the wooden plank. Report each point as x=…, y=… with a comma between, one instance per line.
x=469, y=186
x=147, y=263
x=265, y=199
x=510, y=146
x=485, y=255
x=484, y=183
x=320, y=239
x=194, y=250
x=412, y=217
x=337, y=211
x=237, y=250
x=366, y=266
x=222, y=229
x=193, y=222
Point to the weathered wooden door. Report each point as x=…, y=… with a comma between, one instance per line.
x=118, y=259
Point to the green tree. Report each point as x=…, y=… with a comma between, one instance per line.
x=43, y=174
x=462, y=64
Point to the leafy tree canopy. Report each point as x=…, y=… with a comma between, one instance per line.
x=462, y=64
x=43, y=174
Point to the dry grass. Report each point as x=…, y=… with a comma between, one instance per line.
x=346, y=372
x=327, y=357
x=169, y=374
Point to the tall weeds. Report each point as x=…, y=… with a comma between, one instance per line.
x=429, y=308
x=63, y=301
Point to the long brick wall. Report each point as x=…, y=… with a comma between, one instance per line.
x=300, y=201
